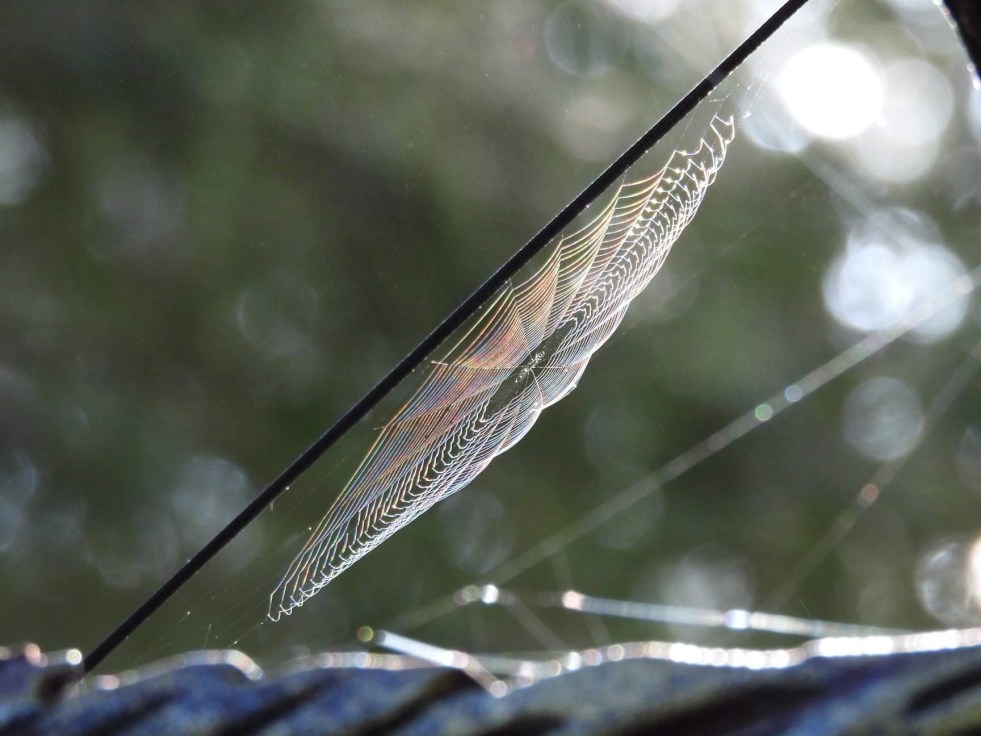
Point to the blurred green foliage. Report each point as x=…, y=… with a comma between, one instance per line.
x=242, y=214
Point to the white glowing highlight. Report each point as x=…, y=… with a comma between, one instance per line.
x=646, y=11
x=832, y=90
x=889, y=269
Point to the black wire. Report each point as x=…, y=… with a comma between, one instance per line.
x=460, y=315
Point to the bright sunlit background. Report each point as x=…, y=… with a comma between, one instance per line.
x=220, y=224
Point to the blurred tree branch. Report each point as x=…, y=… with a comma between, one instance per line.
x=967, y=16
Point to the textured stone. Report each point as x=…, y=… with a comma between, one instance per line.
x=224, y=693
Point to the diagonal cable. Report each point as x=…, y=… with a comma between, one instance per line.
x=453, y=321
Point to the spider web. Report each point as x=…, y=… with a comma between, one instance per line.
x=526, y=351
x=943, y=579
x=755, y=408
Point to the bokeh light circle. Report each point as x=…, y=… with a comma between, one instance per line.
x=891, y=266
x=832, y=90
x=883, y=418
